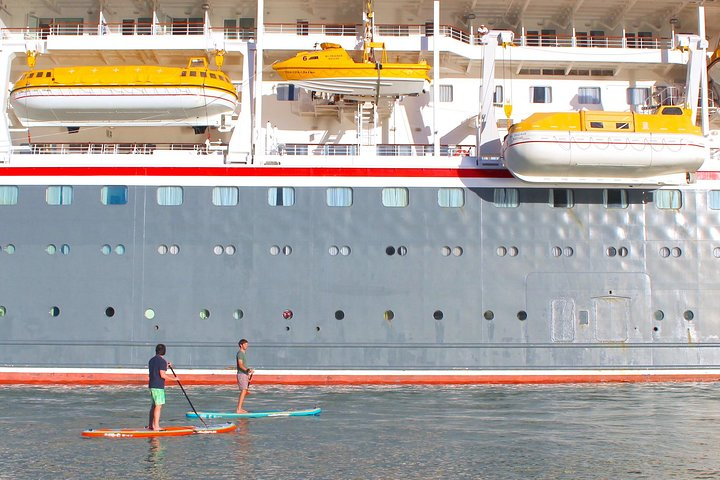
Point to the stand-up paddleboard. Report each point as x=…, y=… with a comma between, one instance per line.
x=258, y=414
x=175, y=431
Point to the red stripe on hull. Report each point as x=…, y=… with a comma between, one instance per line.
x=49, y=378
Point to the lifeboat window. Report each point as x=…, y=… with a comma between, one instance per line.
x=561, y=198
x=212, y=75
x=48, y=74
x=446, y=93
x=597, y=125
x=169, y=195
x=59, y=195
x=183, y=73
x=672, y=111
x=506, y=197
x=541, y=94
x=281, y=196
x=31, y=75
x=395, y=197
x=8, y=195
x=339, y=196
x=615, y=198
x=714, y=199
x=203, y=74
x=668, y=199
x=622, y=126
x=589, y=95
x=193, y=74
x=451, y=197
x=114, y=195
x=225, y=196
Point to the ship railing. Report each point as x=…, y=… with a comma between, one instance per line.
x=382, y=150
x=306, y=28
x=112, y=148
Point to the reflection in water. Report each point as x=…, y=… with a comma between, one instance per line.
x=155, y=459
x=243, y=442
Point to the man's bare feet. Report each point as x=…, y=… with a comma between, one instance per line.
x=241, y=411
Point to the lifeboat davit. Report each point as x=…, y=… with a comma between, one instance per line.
x=332, y=70
x=597, y=146
x=138, y=95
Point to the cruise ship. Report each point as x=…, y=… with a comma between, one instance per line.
x=370, y=192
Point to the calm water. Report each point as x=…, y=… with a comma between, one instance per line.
x=569, y=431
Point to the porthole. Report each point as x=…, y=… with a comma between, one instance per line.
x=501, y=251
x=317, y=328
x=569, y=252
x=238, y=314
x=659, y=315
x=162, y=249
x=390, y=250
x=716, y=252
x=51, y=249
x=149, y=313
x=522, y=315
x=438, y=315
x=623, y=252
x=157, y=327
x=3, y=311
x=120, y=249
x=402, y=251
x=556, y=251
x=513, y=251
x=333, y=250
x=65, y=249
x=339, y=315
x=230, y=250
x=106, y=249
x=489, y=315
x=287, y=314
x=287, y=328
x=389, y=315
x=457, y=251
x=345, y=250
x=109, y=312
x=611, y=252
x=204, y=314
x=446, y=251
x=664, y=252
x=217, y=249
x=10, y=249
x=174, y=249
x=688, y=315
x=655, y=329
x=676, y=252
x=287, y=250
x=54, y=311
x=274, y=250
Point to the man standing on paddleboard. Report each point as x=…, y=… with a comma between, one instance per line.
x=243, y=374
x=157, y=371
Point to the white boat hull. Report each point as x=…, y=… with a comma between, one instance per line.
x=136, y=106
x=538, y=155
x=365, y=86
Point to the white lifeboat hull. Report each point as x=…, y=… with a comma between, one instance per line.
x=538, y=155
x=129, y=105
x=365, y=86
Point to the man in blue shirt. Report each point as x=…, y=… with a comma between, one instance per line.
x=157, y=371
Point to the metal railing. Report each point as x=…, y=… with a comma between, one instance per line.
x=109, y=148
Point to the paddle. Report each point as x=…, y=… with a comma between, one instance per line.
x=186, y=396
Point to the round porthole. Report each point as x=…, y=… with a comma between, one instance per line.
x=688, y=315
x=109, y=312
x=149, y=313
x=389, y=315
x=438, y=315
x=522, y=315
x=238, y=314
x=489, y=315
x=54, y=311
x=204, y=314
x=659, y=315
x=390, y=250
x=339, y=315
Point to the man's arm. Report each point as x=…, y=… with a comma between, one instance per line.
x=166, y=376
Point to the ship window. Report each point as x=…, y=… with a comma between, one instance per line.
x=281, y=196
x=339, y=196
x=203, y=74
x=672, y=111
x=714, y=199
x=597, y=125
x=286, y=92
x=451, y=197
x=622, y=126
x=212, y=75
x=59, y=195
x=169, y=195
x=225, y=196
x=615, y=198
x=183, y=73
x=637, y=95
x=498, y=95
x=541, y=94
x=8, y=195
x=506, y=197
x=589, y=95
x=193, y=74
x=48, y=74
x=30, y=75
x=114, y=195
x=445, y=93
x=561, y=198
x=395, y=197
x=668, y=199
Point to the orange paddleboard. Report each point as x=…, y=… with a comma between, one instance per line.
x=174, y=431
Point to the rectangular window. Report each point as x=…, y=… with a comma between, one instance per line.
x=714, y=199
x=499, y=95
x=8, y=195
x=506, y=197
x=589, y=95
x=668, y=199
x=637, y=96
x=59, y=195
x=446, y=93
x=395, y=197
x=114, y=195
x=541, y=94
x=451, y=197
x=339, y=196
x=286, y=92
x=615, y=198
x=169, y=195
x=281, y=196
x=561, y=198
x=225, y=196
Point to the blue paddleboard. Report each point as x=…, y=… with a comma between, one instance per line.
x=258, y=414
